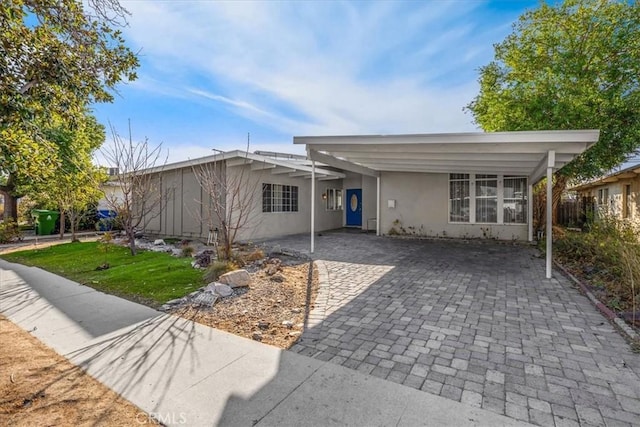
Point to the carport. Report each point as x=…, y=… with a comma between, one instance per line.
x=531, y=154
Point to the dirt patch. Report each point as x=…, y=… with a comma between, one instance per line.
x=272, y=310
x=38, y=387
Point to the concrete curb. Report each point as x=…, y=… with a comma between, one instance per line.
x=606, y=311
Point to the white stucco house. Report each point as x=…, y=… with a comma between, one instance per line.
x=454, y=184
x=461, y=185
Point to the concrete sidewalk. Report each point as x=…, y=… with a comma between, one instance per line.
x=184, y=373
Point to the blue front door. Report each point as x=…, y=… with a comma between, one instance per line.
x=354, y=207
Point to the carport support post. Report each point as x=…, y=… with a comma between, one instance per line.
x=377, y=205
x=313, y=204
x=551, y=161
x=530, y=211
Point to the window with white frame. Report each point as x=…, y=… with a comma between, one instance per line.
x=603, y=196
x=459, y=197
x=488, y=199
x=279, y=198
x=514, y=202
x=333, y=199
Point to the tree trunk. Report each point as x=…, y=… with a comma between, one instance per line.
x=62, y=220
x=559, y=186
x=10, y=207
x=132, y=240
x=10, y=200
x=73, y=219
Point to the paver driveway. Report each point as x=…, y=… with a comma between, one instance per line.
x=475, y=322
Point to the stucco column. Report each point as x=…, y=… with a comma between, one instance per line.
x=377, y=206
x=313, y=204
x=551, y=161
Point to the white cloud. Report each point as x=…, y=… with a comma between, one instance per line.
x=318, y=68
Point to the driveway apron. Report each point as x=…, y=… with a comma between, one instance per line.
x=472, y=321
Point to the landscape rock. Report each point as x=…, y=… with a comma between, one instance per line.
x=159, y=242
x=204, y=257
x=279, y=278
x=263, y=325
x=257, y=336
x=287, y=324
x=272, y=266
x=296, y=310
x=236, y=279
x=223, y=290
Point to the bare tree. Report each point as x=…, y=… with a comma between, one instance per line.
x=138, y=169
x=230, y=192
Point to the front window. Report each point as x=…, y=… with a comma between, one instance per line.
x=279, y=198
x=514, y=203
x=333, y=199
x=487, y=198
x=459, y=197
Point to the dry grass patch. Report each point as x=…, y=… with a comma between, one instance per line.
x=38, y=387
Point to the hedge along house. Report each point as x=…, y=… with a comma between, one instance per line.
x=269, y=190
x=457, y=185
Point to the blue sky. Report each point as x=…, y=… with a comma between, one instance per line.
x=211, y=71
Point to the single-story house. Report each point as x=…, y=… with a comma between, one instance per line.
x=266, y=195
x=617, y=194
x=470, y=185
x=454, y=184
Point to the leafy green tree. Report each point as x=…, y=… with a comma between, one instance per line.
x=75, y=184
x=56, y=58
x=571, y=65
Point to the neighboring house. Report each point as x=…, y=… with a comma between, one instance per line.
x=617, y=194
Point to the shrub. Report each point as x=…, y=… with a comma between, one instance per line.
x=187, y=251
x=608, y=255
x=217, y=269
x=9, y=231
x=254, y=255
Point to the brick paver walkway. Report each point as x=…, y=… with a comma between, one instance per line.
x=475, y=322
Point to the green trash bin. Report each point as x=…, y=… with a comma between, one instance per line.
x=45, y=221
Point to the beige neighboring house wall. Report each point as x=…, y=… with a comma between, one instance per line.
x=419, y=203
x=617, y=194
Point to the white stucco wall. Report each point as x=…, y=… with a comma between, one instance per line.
x=422, y=208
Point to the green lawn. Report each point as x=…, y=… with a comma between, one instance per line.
x=149, y=277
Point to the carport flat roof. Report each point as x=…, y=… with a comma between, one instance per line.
x=522, y=153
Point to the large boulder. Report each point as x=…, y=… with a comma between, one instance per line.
x=236, y=278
